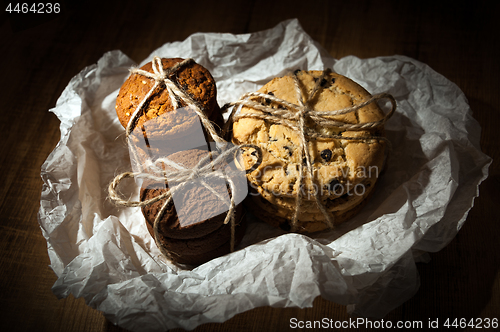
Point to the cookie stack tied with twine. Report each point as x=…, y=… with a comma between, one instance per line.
x=323, y=148
x=170, y=172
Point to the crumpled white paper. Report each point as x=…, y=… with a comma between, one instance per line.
x=105, y=254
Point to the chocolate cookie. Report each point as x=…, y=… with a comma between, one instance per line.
x=311, y=219
x=197, y=230
x=198, y=251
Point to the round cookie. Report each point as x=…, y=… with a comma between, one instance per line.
x=205, y=253
x=310, y=207
x=170, y=224
x=193, y=78
x=347, y=198
x=197, y=200
x=198, y=245
x=337, y=163
x=309, y=222
x=161, y=127
x=334, y=161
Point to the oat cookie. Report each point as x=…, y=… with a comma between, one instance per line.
x=193, y=78
x=161, y=127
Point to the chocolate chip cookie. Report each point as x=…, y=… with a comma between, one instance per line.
x=344, y=170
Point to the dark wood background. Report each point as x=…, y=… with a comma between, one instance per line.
x=40, y=53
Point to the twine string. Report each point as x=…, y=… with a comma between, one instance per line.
x=304, y=146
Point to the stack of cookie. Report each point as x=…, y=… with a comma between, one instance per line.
x=344, y=170
x=157, y=105
x=192, y=231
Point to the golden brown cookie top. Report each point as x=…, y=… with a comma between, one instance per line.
x=193, y=78
x=335, y=162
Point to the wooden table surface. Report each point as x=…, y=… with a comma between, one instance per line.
x=40, y=53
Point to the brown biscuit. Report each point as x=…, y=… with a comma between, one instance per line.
x=192, y=78
x=201, y=244
x=195, y=237
x=169, y=223
x=162, y=130
x=308, y=222
x=198, y=201
x=204, y=254
x=348, y=196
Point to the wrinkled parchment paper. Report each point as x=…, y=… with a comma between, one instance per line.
x=106, y=255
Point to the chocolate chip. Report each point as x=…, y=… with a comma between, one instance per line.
x=326, y=154
x=289, y=150
x=285, y=226
x=296, y=71
x=323, y=83
x=267, y=101
x=333, y=80
x=332, y=184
